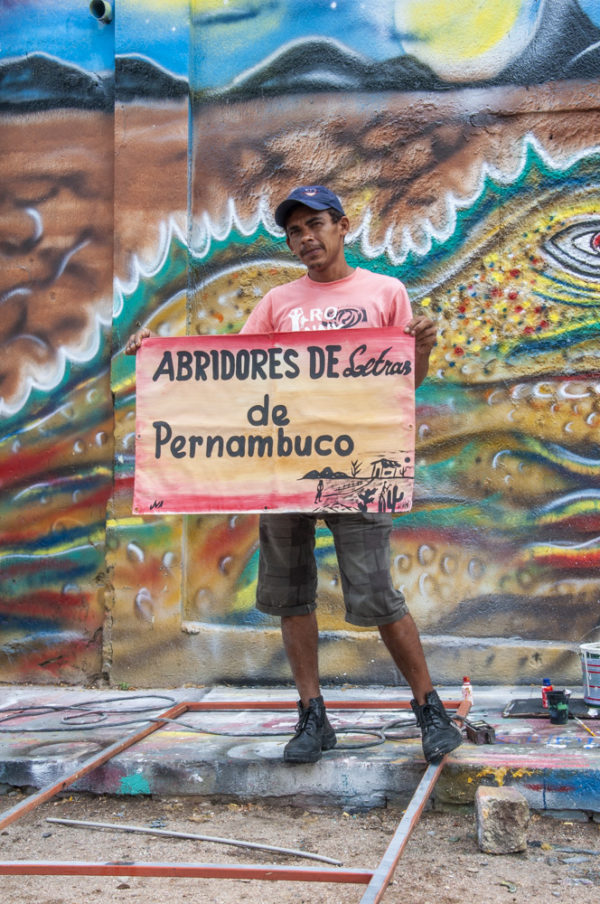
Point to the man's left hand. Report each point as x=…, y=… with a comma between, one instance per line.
x=425, y=332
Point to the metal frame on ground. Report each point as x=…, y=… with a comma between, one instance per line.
x=376, y=880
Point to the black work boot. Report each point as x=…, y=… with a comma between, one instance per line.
x=439, y=733
x=313, y=734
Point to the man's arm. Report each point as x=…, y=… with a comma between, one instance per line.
x=425, y=331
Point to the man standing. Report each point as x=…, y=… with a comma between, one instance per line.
x=333, y=295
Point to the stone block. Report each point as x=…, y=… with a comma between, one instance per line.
x=502, y=816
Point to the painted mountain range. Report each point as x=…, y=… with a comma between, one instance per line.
x=566, y=46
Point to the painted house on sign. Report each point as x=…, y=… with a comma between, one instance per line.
x=387, y=467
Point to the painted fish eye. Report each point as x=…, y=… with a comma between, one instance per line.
x=577, y=248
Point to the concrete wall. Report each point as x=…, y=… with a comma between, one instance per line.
x=464, y=139
x=56, y=265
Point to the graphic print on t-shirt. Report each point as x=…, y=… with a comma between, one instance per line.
x=329, y=318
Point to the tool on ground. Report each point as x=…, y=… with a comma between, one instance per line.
x=479, y=731
x=583, y=725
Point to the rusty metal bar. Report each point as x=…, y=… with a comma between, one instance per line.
x=183, y=870
x=44, y=794
x=276, y=705
x=384, y=872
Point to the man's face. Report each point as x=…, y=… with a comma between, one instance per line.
x=314, y=238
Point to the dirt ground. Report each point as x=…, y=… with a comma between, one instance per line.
x=442, y=863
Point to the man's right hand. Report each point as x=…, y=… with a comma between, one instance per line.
x=135, y=340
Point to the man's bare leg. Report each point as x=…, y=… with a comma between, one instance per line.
x=404, y=644
x=301, y=638
x=440, y=735
x=301, y=641
x=313, y=732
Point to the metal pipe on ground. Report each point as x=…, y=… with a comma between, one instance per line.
x=167, y=833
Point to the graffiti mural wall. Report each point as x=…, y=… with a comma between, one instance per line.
x=464, y=139
x=55, y=301
x=143, y=634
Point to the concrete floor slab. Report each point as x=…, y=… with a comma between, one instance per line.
x=237, y=753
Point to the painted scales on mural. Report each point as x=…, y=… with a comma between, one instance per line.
x=279, y=422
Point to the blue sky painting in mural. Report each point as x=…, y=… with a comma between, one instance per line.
x=228, y=39
x=66, y=30
x=231, y=38
x=592, y=9
x=161, y=34
x=261, y=29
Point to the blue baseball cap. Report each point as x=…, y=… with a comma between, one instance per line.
x=316, y=196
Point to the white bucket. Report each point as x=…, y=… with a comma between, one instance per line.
x=590, y=662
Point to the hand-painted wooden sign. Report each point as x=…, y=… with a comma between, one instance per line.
x=297, y=422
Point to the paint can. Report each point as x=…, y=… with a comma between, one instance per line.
x=558, y=707
x=590, y=663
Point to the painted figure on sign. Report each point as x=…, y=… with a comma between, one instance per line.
x=315, y=226
x=319, y=492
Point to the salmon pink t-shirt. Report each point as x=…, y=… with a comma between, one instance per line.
x=363, y=299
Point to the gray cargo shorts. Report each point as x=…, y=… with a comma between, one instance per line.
x=287, y=570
